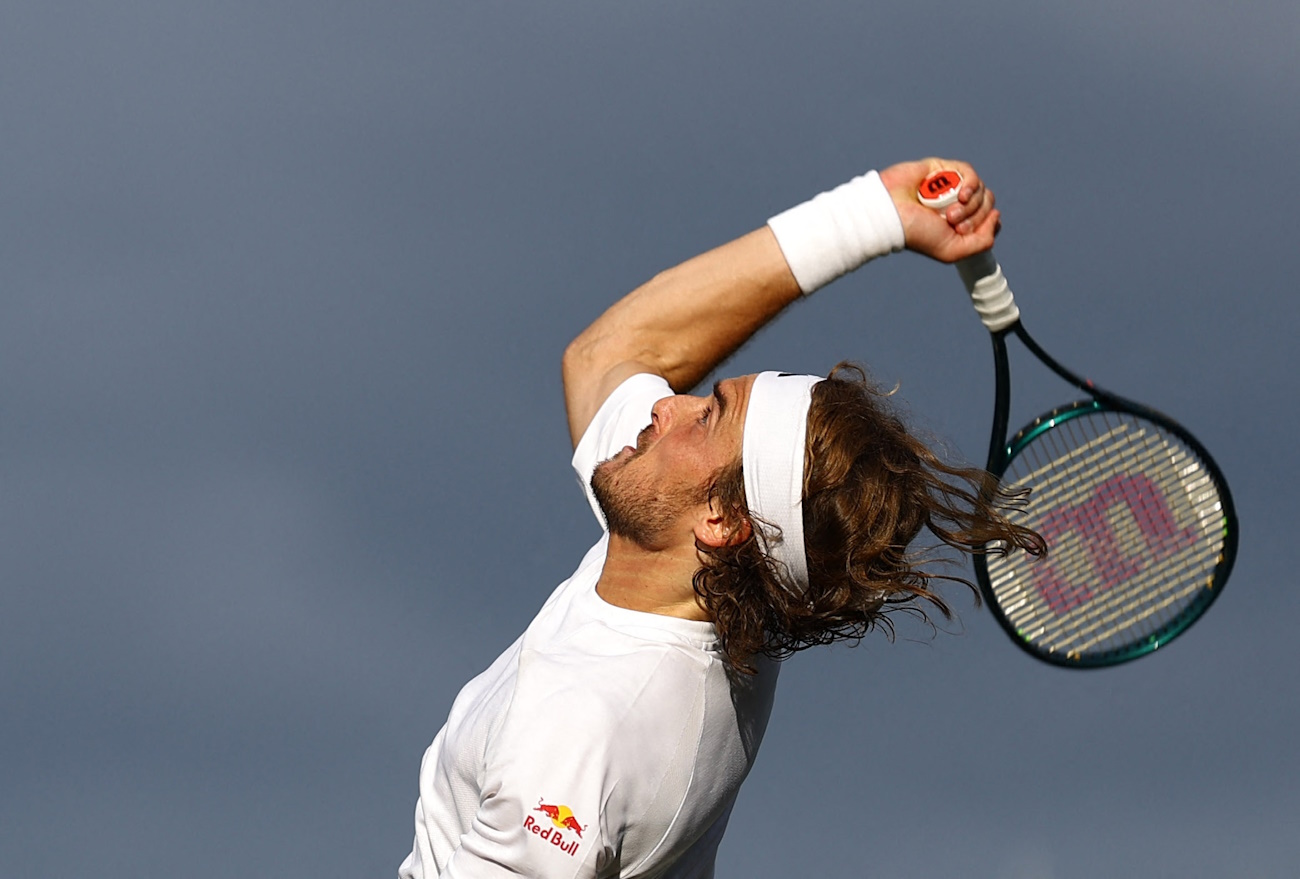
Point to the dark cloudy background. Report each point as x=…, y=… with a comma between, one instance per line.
x=282, y=454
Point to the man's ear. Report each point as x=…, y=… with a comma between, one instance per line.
x=713, y=529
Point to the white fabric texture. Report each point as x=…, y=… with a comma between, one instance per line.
x=837, y=231
x=603, y=742
x=776, y=426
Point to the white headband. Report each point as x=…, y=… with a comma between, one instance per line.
x=775, y=426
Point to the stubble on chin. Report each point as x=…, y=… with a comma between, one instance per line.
x=621, y=513
x=643, y=515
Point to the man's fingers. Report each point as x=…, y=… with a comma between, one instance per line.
x=973, y=201
x=966, y=216
x=991, y=226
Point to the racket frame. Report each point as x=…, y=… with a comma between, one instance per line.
x=1002, y=451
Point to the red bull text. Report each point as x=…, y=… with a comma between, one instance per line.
x=561, y=819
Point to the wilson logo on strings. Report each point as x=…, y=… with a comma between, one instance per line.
x=1093, y=524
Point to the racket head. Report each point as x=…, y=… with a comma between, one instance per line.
x=1140, y=527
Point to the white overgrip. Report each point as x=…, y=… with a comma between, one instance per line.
x=989, y=291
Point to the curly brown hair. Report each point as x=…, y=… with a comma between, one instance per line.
x=869, y=488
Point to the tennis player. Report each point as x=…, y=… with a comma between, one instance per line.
x=768, y=515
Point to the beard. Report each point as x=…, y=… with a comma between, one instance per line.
x=642, y=513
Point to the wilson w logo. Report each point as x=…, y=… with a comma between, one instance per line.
x=1123, y=528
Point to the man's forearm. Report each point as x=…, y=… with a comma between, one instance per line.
x=680, y=324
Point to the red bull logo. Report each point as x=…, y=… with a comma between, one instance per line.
x=562, y=819
x=1091, y=522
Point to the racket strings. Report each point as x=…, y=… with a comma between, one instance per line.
x=1135, y=529
x=1119, y=612
x=1118, y=605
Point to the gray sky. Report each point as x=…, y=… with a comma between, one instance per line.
x=283, y=455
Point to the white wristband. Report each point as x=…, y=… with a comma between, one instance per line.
x=837, y=231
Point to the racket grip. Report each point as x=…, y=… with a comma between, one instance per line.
x=980, y=273
x=989, y=291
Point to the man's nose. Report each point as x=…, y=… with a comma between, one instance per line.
x=669, y=409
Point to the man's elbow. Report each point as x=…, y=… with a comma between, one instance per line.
x=576, y=361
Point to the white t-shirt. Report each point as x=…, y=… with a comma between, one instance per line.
x=603, y=742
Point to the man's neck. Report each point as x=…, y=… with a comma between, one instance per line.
x=651, y=581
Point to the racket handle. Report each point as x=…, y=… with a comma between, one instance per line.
x=987, y=286
x=989, y=291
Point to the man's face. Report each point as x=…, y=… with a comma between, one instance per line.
x=653, y=493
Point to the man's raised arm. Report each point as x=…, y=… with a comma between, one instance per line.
x=685, y=321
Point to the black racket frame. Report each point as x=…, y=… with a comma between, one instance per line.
x=1001, y=451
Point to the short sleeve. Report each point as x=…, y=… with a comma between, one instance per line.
x=548, y=782
x=538, y=830
x=620, y=418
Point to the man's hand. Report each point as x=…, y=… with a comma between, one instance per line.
x=962, y=229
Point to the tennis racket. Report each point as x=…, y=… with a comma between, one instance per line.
x=1138, y=519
